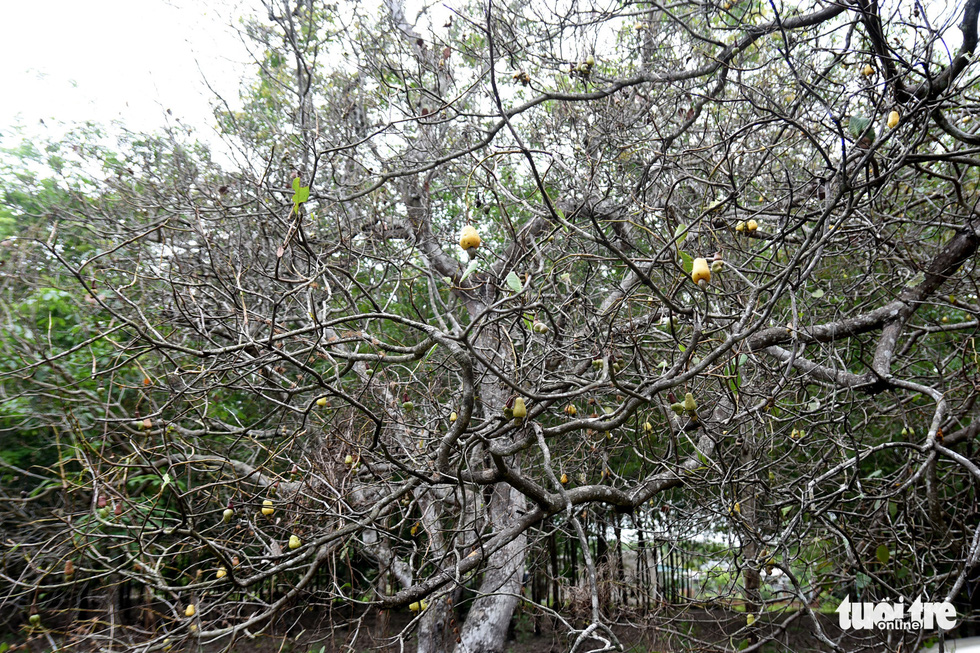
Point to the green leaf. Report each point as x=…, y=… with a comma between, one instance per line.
x=813, y=405
x=883, y=554
x=817, y=294
x=680, y=234
x=687, y=262
x=560, y=214
x=514, y=282
x=858, y=125
x=166, y=479
x=300, y=193
x=469, y=270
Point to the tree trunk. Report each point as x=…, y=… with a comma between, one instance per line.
x=486, y=626
x=434, y=628
x=485, y=629
x=618, y=595
x=750, y=551
x=434, y=624
x=642, y=585
x=570, y=544
x=553, y=554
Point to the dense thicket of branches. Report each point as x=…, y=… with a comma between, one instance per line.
x=199, y=363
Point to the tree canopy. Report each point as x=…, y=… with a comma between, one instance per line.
x=488, y=278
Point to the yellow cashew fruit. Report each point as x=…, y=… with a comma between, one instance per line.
x=690, y=404
x=700, y=271
x=519, y=410
x=267, y=508
x=468, y=238
x=893, y=119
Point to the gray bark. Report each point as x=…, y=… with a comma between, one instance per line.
x=485, y=630
x=486, y=625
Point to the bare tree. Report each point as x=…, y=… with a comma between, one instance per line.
x=484, y=275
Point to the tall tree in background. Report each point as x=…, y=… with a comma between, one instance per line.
x=483, y=277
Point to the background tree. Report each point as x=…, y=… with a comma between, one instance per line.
x=242, y=383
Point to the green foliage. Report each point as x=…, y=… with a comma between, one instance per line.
x=188, y=338
x=301, y=194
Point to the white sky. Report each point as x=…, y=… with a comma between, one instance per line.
x=130, y=60
x=126, y=60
